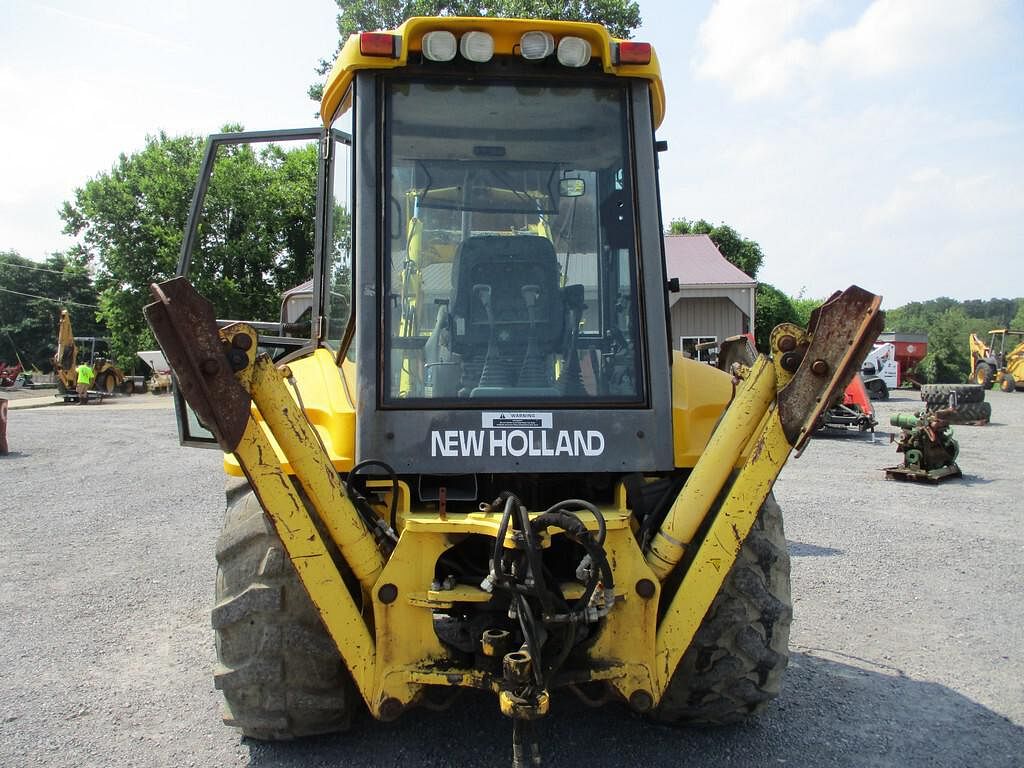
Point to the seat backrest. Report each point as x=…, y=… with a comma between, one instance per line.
x=506, y=264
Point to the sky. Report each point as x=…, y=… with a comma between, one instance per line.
x=876, y=142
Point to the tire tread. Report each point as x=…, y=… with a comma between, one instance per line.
x=279, y=672
x=735, y=663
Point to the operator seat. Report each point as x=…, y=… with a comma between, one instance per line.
x=508, y=314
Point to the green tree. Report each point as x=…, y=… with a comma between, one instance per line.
x=31, y=296
x=1017, y=323
x=772, y=307
x=745, y=254
x=803, y=308
x=620, y=16
x=948, y=324
x=947, y=359
x=130, y=220
x=255, y=236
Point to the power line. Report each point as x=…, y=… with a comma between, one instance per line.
x=46, y=298
x=42, y=269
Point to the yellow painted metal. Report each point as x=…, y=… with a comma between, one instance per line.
x=312, y=466
x=293, y=519
x=718, y=550
x=517, y=708
x=700, y=393
x=306, y=550
x=506, y=34
x=626, y=642
x=709, y=476
x=66, y=359
x=800, y=336
x=329, y=407
x=408, y=648
x=406, y=640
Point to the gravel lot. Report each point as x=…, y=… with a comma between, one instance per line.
x=906, y=646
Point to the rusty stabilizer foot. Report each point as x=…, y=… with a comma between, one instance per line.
x=186, y=329
x=841, y=332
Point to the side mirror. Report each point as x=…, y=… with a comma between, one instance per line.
x=572, y=187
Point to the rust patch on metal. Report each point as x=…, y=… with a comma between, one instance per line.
x=186, y=329
x=842, y=331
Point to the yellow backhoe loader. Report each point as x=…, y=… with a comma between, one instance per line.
x=994, y=362
x=73, y=350
x=483, y=465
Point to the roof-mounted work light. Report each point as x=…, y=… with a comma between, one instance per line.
x=573, y=52
x=477, y=46
x=439, y=45
x=536, y=45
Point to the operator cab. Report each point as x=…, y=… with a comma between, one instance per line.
x=514, y=296
x=487, y=256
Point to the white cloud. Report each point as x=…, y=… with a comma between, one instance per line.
x=747, y=44
x=757, y=48
x=894, y=35
x=901, y=199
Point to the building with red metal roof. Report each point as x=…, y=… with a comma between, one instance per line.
x=715, y=298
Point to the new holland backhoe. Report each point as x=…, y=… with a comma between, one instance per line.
x=466, y=455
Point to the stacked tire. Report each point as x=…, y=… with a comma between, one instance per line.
x=965, y=403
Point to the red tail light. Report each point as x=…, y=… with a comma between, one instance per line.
x=634, y=53
x=378, y=44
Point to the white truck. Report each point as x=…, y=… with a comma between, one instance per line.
x=880, y=370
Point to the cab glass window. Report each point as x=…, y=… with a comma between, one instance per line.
x=510, y=261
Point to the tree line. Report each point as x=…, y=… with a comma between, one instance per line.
x=256, y=232
x=947, y=322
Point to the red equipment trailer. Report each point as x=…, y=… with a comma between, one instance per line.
x=910, y=350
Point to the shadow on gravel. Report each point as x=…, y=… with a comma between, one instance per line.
x=13, y=455
x=974, y=480
x=799, y=549
x=830, y=714
x=841, y=434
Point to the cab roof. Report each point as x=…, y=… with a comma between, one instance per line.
x=506, y=34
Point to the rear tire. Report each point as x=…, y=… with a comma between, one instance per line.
x=279, y=670
x=877, y=390
x=968, y=413
x=983, y=375
x=734, y=665
x=938, y=394
x=108, y=383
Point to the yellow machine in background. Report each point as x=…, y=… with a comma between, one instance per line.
x=994, y=363
x=486, y=467
x=72, y=350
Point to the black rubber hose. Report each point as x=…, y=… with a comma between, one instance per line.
x=571, y=524
x=602, y=527
x=529, y=627
x=575, y=527
x=499, y=540
x=394, y=486
x=533, y=559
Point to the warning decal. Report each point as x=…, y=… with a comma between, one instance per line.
x=516, y=420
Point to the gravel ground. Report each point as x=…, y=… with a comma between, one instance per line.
x=906, y=644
